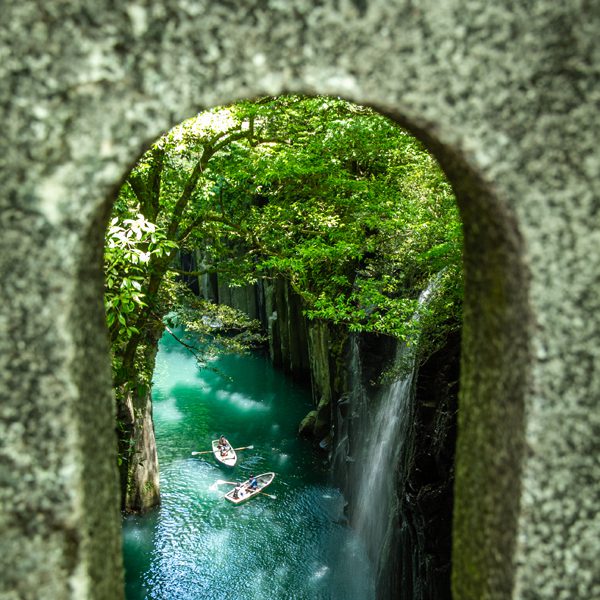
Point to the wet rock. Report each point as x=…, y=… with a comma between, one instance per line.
x=307, y=425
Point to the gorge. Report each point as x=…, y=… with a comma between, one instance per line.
x=332, y=231
x=394, y=467
x=293, y=543
x=402, y=516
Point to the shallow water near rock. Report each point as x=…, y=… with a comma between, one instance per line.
x=197, y=545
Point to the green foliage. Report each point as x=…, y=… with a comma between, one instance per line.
x=343, y=203
x=337, y=199
x=209, y=330
x=128, y=249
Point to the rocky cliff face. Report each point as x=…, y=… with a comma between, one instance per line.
x=411, y=544
x=418, y=563
x=344, y=384
x=274, y=304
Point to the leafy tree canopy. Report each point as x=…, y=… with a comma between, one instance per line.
x=337, y=199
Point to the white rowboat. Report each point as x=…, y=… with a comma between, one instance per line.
x=227, y=457
x=242, y=492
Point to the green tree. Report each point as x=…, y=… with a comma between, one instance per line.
x=333, y=197
x=153, y=216
x=347, y=206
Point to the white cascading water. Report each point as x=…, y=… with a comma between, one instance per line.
x=375, y=471
x=384, y=433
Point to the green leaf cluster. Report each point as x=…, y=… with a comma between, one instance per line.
x=350, y=208
x=129, y=246
x=340, y=201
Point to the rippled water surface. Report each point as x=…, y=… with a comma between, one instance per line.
x=199, y=546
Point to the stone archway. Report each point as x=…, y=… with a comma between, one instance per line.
x=503, y=96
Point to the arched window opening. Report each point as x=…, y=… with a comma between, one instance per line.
x=329, y=231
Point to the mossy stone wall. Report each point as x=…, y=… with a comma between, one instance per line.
x=506, y=94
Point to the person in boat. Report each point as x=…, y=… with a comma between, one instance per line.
x=223, y=446
x=253, y=483
x=236, y=491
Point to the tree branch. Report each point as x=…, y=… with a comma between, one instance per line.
x=192, y=349
x=138, y=187
x=209, y=151
x=154, y=181
x=192, y=273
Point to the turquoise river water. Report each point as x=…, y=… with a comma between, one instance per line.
x=197, y=545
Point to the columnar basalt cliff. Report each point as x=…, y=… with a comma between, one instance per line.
x=419, y=562
x=404, y=511
x=279, y=310
x=349, y=376
x=308, y=351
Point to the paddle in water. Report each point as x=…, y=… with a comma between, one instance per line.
x=218, y=482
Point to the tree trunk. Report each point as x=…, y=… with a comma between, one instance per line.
x=139, y=467
x=138, y=459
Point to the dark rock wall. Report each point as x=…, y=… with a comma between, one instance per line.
x=279, y=310
x=419, y=561
x=287, y=329
x=417, y=565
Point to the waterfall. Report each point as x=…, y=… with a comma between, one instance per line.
x=375, y=473
x=375, y=439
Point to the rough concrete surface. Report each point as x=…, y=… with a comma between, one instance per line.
x=507, y=96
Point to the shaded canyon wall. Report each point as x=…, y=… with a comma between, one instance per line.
x=345, y=385
x=404, y=513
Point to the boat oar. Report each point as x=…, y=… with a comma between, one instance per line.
x=210, y=451
x=270, y=495
x=218, y=482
